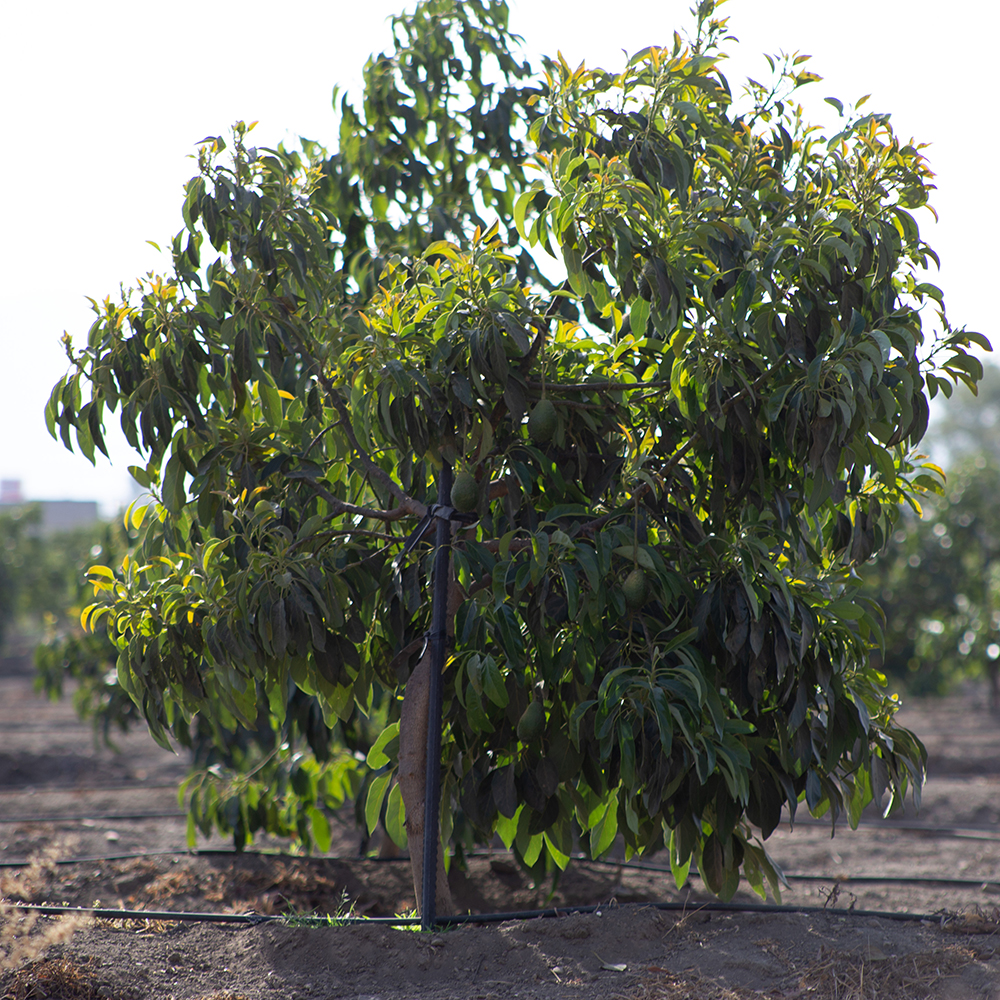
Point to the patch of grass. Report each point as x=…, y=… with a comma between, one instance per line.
x=666, y=986
x=344, y=910
x=53, y=980
x=972, y=920
x=409, y=915
x=30, y=884
x=25, y=937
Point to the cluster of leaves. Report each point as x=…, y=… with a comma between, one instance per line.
x=738, y=371
x=284, y=775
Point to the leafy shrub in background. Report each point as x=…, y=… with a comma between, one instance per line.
x=939, y=584
x=40, y=573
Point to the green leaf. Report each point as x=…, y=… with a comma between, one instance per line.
x=713, y=866
x=477, y=716
x=776, y=402
x=639, y=555
x=173, y=493
x=561, y=859
x=506, y=829
x=270, y=402
x=139, y=474
x=845, y=609
x=395, y=817
x=376, y=796
x=679, y=867
x=321, y=832
x=533, y=849
x=493, y=684
x=521, y=208
x=638, y=317
x=376, y=756
x=443, y=248
x=604, y=831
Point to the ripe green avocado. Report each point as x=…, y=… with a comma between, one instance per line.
x=465, y=492
x=542, y=422
x=636, y=589
x=531, y=725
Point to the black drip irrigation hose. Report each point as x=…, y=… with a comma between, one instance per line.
x=97, y=859
x=255, y=919
x=137, y=786
x=906, y=826
x=96, y=817
x=205, y=852
x=839, y=878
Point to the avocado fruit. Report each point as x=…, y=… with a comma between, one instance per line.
x=542, y=422
x=465, y=492
x=531, y=725
x=636, y=589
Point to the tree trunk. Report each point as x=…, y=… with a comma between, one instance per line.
x=412, y=783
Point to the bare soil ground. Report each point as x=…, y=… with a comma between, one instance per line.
x=106, y=829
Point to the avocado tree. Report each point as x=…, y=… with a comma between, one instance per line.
x=939, y=585
x=40, y=572
x=666, y=467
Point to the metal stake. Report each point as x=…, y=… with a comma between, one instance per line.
x=438, y=649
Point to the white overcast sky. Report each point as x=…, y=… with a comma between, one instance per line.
x=103, y=101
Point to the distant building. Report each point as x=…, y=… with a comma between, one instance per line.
x=10, y=491
x=56, y=515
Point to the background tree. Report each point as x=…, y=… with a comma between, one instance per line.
x=968, y=426
x=939, y=579
x=939, y=584
x=668, y=466
x=41, y=572
x=64, y=651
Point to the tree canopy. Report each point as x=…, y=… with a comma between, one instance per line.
x=671, y=463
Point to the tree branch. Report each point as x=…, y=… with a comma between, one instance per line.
x=599, y=386
x=381, y=535
x=316, y=440
x=408, y=508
